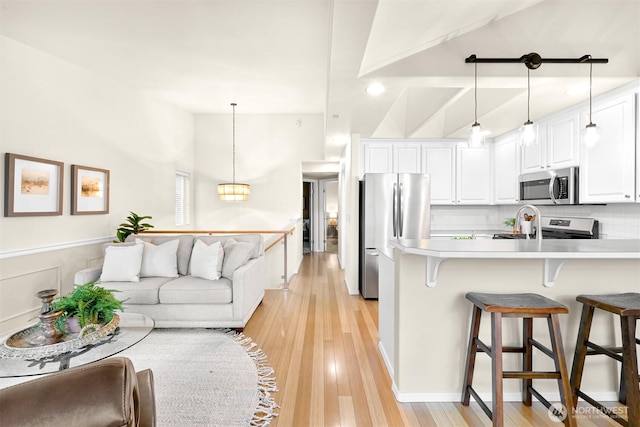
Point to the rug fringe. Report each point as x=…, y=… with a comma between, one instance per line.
x=267, y=406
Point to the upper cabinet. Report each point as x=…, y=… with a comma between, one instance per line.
x=392, y=157
x=505, y=169
x=406, y=157
x=473, y=175
x=459, y=175
x=557, y=144
x=440, y=162
x=378, y=157
x=607, y=170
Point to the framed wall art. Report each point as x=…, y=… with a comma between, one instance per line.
x=32, y=186
x=89, y=190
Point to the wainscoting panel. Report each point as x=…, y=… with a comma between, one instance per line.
x=18, y=307
x=22, y=276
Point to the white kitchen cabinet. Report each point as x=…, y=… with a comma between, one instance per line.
x=378, y=157
x=406, y=157
x=505, y=169
x=557, y=144
x=473, y=175
x=607, y=170
x=440, y=163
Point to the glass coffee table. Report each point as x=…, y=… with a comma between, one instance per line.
x=132, y=329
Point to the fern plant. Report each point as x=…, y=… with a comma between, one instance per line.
x=89, y=303
x=134, y=225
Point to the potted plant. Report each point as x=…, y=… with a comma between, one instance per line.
x=134, y=225
x=510, y=222
x=89, y=304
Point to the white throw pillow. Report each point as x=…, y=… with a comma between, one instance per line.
x=160, y=260
x=206, y=261
x=122, y=264
x=235, y=256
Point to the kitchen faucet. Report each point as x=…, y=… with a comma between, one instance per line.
x=537, y=213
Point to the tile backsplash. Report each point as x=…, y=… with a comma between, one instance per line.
x=617, y=221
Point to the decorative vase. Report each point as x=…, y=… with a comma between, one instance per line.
x=48, y=326
x=46, y=295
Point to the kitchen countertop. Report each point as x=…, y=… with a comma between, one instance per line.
x=554, y=252
x=521, y=248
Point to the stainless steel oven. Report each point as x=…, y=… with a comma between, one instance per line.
x=550, y=187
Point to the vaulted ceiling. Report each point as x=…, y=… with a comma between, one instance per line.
x=318, y=56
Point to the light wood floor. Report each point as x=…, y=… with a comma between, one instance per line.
x=322, y=343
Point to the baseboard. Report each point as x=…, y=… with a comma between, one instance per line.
x=386, y=360
x=351, y=291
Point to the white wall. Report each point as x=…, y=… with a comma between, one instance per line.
x=54, y=110
x=269, y=153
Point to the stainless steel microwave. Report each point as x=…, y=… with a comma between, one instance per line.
x=550, y=187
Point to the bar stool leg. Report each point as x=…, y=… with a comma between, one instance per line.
x=496, y=369
x=581, y=351
x=558, y=357
x=471, y=354
x=527, y=358
x=630, y=369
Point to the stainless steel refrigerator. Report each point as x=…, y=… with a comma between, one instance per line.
x=392, y=206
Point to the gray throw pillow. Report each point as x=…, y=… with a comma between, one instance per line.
x=236, y=255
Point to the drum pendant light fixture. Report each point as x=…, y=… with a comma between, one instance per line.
x=591, y=132
x=476, y=136
x=233, y=192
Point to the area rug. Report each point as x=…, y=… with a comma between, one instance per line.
x=203, y=377
x=207, y=377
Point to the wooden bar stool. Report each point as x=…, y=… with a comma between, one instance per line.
x=627, y=306
x=527, y=307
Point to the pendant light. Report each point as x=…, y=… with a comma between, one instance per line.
x=476, y=136
x=529, y=130
x=591, y=132
x=233, y=192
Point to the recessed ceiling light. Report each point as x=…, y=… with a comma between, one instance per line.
x=375, y=89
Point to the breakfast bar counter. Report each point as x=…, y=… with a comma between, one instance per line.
x=424, y=315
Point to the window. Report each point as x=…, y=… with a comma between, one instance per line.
x=183, y=198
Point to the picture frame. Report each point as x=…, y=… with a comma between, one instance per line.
x=32, y=186
x=89, y=190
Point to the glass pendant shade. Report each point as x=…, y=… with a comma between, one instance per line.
x=591, y=135
x=476, y=136
x=528, y=133
x=591, y=132
x=233, y=192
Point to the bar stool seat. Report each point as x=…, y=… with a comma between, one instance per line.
x=526, y=306
x=627, y=306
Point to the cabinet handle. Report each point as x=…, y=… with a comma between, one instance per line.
x=627, y=196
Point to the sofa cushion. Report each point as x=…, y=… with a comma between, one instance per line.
x=184, y=247
x=122, y=264
x=206, y=260
x=194, y=290
x=236, y=254
x=144, y=292
x=160, y=260
x=255, y=239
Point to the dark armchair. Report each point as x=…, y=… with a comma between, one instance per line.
x=104, y=393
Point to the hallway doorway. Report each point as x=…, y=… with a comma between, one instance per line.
x=331, y=215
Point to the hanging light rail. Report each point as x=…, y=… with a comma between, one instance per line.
x=534, y=60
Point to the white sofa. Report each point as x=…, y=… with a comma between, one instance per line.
x=188, y=300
